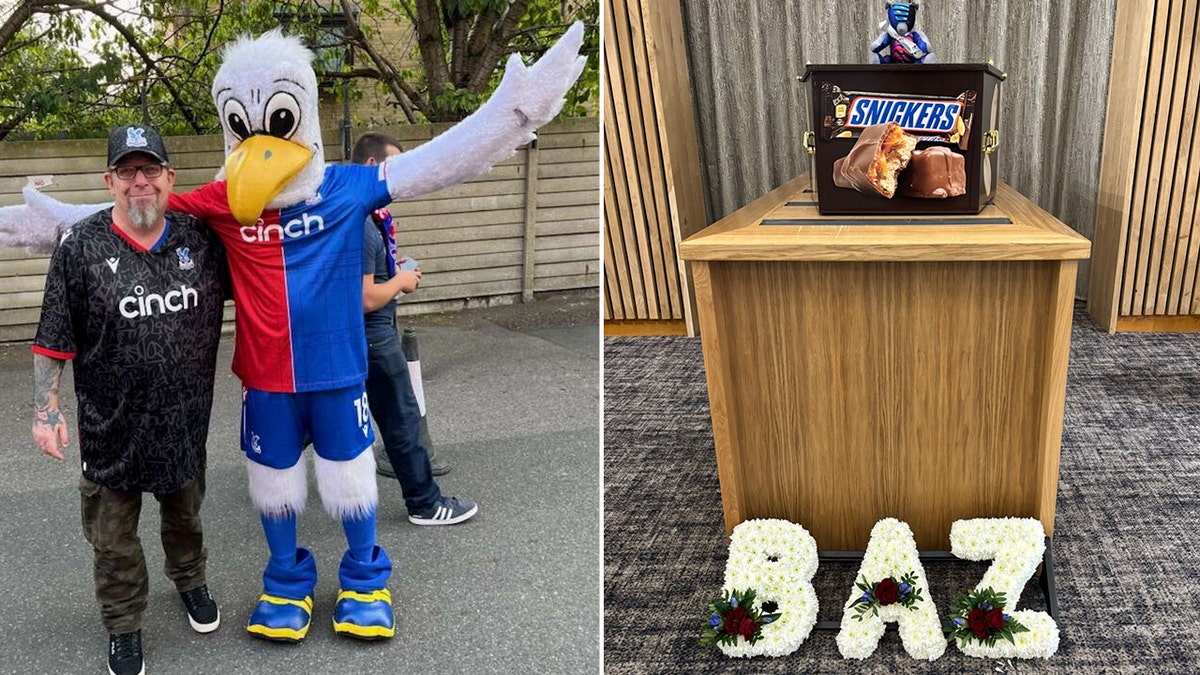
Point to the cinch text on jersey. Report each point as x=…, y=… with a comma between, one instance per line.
x=296, y=227
x=140, y=305
x=912, y=115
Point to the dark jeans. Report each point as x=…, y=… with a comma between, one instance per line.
x=110, y=524
x=394, y=407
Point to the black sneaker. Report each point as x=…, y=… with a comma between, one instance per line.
x=125, y=654
x=201, y=609
x=445, y=511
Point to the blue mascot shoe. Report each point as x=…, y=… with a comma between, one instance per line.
x=366, y=616
x=280, y=619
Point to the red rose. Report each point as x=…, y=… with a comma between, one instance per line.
x=995, y=619
x=748, y=628
x=733, y=620
x=887, y=592
x=977, y=622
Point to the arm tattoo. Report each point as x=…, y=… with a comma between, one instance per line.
x=47, y=373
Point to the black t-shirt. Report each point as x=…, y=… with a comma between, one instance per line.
x=143, y=329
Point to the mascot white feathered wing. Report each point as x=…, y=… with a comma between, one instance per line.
x=292, y=228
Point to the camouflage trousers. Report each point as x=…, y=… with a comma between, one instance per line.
x=110, y=524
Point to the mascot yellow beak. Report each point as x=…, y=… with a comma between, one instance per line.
x=257, y=170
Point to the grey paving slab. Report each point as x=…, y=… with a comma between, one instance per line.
x=513, y=406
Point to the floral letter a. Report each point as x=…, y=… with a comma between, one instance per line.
x=889, y=564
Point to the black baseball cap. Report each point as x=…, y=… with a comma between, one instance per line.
x=133, y=138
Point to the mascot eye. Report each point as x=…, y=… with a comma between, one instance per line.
x=282, y=116
x=235, y=118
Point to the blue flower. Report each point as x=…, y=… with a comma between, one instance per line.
x=866, y=597
x=733, y=601
x=986, y=607
x=1007, y=618
x=905, y=588
x=958, y=621
x=714, y=621
x=767, y=619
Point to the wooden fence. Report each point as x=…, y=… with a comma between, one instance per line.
x=531, y=224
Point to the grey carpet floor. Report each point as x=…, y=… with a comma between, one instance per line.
x=1127, y=514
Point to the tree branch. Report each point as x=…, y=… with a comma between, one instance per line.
x=365, y=73
x=98, y=10
x=429, y=41
x=490, y=56
x=404, y=94
x=459, y=37
x=484, y=27
x=8, y=125
x=12, y=25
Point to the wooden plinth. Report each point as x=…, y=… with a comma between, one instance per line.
x=857, y=372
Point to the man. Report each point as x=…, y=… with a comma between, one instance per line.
x=134, y=297
x=371, y=149
x=389, y=388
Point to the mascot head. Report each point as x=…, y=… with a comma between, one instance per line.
x=266, y=96
x=902, y=16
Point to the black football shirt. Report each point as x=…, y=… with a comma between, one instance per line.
x=142, y=327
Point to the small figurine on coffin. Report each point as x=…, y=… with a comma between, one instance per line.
x=899, y=42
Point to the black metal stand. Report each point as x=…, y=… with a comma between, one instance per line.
x=1045, y=580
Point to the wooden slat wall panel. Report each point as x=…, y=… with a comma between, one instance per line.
x=1147, y=242
x=468, y=238
x=1150, y=285
x=1188, y=249
x=751, y=112
x=642, y=274
x=1178, y=231
x=1150, y=157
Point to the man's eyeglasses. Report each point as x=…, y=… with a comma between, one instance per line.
x=127, y=172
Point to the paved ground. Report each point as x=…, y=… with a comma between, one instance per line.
x=514, y=406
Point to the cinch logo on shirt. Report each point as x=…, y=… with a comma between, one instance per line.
x=141, y=305
x=928, y=115
x=296, y=227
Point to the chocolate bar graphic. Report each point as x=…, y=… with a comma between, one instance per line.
x=872, y=165
x=936, y=172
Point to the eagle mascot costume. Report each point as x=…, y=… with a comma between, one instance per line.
x=292, y=227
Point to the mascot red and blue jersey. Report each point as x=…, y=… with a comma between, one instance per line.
x=302, y=308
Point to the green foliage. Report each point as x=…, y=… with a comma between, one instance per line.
x=69, y=73
x=979, y=615
x=734, y=609
x=465, y=8
x=43, y=86
x=904, y=592
x=457, y=102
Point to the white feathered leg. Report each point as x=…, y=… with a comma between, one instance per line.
x=348, y=488
x=278, y=491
